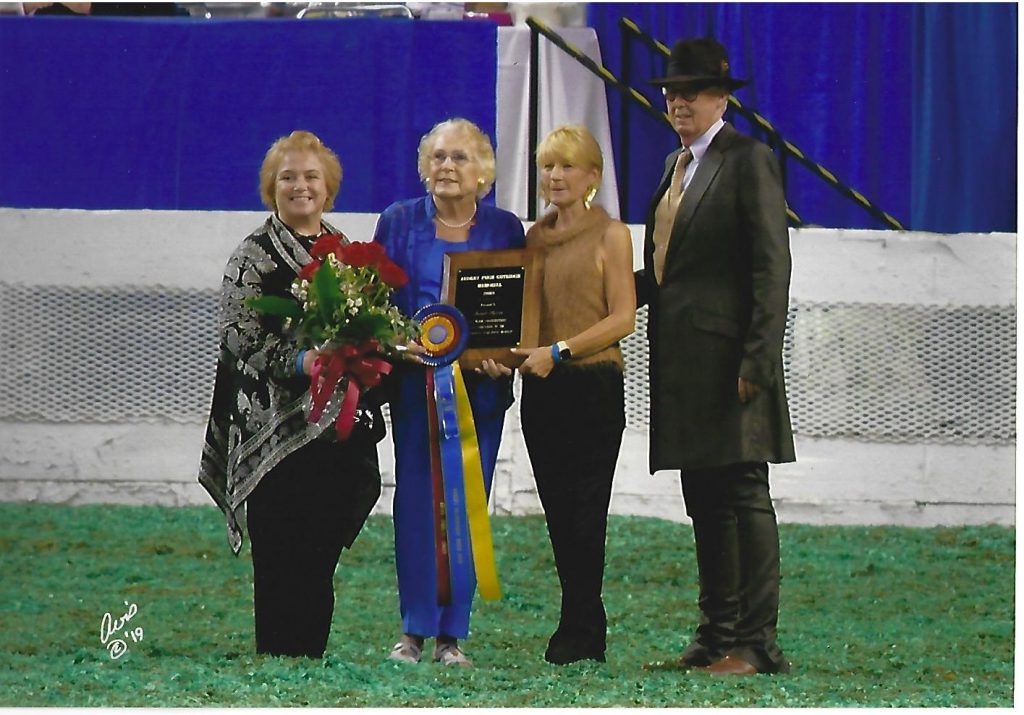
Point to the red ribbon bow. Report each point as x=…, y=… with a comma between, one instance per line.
x=362, y=371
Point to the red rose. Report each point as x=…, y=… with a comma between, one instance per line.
x=357, y=254
x=331, y=243
x=391, y=273
x=308, y=270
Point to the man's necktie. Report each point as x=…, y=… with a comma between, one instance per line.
x=682, y=161
x=665, y=214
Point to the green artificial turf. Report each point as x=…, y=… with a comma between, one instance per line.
x=878, y=616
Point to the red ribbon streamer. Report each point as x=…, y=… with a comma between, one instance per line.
x=362, y=371
x=444, y=579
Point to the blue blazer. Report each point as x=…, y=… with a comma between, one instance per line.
x=406, y=230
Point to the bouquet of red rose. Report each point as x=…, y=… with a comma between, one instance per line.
x=342, y=308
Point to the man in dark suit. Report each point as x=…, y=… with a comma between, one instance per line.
x=716, y=280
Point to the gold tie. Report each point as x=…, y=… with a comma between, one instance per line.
x=665, y=214
x=679, y=174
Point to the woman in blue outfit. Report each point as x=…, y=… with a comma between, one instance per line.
x=456, y=163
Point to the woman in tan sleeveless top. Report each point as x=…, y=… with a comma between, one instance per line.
x=572, y=407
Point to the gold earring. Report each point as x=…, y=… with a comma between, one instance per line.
x=589, y=198
x=480, y=182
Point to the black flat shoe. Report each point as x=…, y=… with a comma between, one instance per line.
x=563, y=651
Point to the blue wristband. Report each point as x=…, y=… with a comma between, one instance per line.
x=298, y=362
x=555, y=354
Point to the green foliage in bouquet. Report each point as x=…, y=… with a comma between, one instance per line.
x=276, y=305
x=343, y=297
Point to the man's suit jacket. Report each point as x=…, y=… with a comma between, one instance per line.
x=720, y=312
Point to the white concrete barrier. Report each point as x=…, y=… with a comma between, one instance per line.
x=836, y=480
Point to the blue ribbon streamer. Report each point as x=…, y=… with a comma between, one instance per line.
x=459, y=547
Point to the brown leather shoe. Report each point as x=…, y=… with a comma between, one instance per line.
x=731, y=665
x=698, y=656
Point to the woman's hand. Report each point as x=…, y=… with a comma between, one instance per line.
x=410, y=352
x=493, y=369
x=539, y=361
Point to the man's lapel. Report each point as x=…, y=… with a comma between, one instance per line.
x=709, y=165
x=666, y=177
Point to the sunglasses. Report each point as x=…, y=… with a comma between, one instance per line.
x=687, y=92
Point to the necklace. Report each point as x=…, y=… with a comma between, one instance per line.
x=456, y=225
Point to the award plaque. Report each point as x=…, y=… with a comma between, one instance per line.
x=498, y=292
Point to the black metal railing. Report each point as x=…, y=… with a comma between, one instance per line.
x=537, y=29
x=635, y=98
x=778, y=141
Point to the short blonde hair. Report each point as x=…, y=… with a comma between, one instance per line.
x=479, y=144
x=299, y=141
x=572, y=144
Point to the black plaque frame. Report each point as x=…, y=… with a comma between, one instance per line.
x=531, y=262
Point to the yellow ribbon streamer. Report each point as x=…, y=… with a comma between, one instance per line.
x=476, y=496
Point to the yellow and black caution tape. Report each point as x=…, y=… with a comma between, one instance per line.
x=600, y=70
x=605, y=74
x=787, y=145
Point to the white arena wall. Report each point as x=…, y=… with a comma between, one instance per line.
x=901, y=358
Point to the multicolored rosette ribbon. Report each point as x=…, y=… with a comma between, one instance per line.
x=444, y=333
x=462, y=529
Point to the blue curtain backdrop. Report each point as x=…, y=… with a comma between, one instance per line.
x=965, y=118
x=177, y=114
x=886, y=96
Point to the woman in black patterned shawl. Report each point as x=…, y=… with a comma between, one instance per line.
x=302, y=497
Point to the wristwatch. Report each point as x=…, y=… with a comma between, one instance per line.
x=564, y=353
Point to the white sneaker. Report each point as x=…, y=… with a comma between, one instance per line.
x=406, y=652
x=451, y=654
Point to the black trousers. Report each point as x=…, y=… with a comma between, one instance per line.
x=572, y=423
x=300, y=516
x=737, y=543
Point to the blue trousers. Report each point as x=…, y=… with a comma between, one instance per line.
x=414, y=513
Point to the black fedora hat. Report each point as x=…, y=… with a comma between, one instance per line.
x=700, y=61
